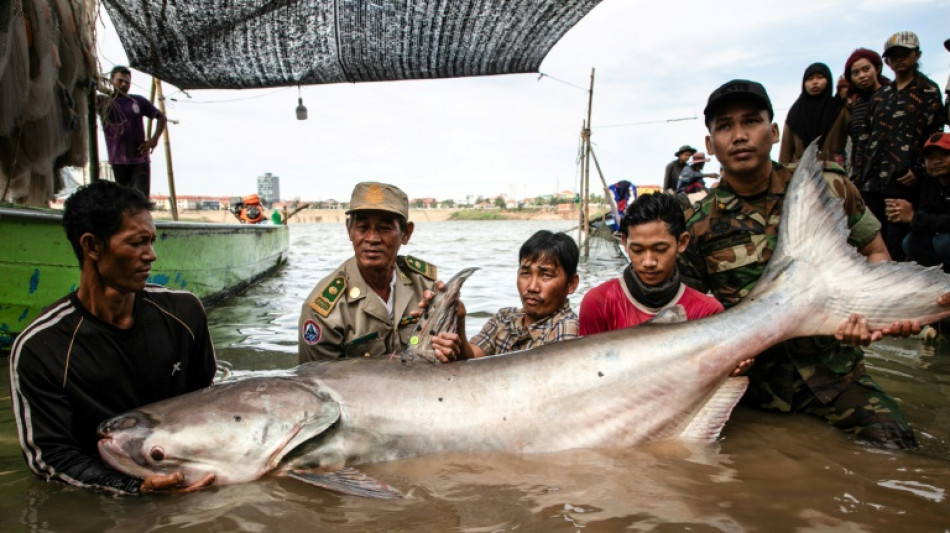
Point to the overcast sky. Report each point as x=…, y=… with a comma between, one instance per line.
x=516, y=134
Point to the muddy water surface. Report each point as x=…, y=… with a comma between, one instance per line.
x=768, y=473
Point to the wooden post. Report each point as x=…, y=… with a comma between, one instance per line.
x=172, y=199
x=580, y=193
x=585, y=199
x=151, y=98
x=93, y=135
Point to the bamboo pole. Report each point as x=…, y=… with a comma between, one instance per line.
x=151, y=98
x=585, y=199
x=92, y=134
x=172, y=199
x=580, y=192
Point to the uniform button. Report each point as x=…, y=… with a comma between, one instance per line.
x=367, y=354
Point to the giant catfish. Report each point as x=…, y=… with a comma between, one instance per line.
x=616, y=389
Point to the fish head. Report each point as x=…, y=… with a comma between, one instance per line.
x=237, y=431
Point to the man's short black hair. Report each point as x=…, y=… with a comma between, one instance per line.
x=119, y=69
x=557, y=247
x=98, y=209
x=650, y=207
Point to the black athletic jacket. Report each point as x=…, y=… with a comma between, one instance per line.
x=69, y=371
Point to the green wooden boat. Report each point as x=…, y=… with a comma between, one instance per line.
x=213, y=261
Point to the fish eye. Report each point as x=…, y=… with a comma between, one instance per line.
x=157, y=454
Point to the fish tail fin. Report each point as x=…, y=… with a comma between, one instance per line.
x=812, y=256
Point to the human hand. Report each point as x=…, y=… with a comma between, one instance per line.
x=742, y=368
x=855, y=331
x=148, y=146
x=173, y=482
x=447, y=347
x=427, y=297
x=908, y=179
x=898, y=210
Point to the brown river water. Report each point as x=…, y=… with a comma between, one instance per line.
x=768, y=472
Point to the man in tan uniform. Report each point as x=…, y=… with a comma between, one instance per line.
x=369, y=305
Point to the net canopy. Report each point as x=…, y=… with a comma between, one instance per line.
x=238, y=44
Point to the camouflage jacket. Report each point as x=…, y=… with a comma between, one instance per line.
x=731, y=241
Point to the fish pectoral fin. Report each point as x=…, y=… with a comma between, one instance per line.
x=348, y=481
x=709, y=421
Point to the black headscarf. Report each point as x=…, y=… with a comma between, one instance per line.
x=812, y=116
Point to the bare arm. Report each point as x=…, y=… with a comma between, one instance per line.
x=152, y=142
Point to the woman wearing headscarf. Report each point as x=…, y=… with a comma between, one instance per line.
x=816, y=113
x=864, y=77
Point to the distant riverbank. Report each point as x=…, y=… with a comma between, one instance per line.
x=317, y=216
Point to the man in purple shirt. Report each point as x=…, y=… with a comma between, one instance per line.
x=121, y=116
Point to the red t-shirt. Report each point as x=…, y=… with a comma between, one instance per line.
x=610, y=306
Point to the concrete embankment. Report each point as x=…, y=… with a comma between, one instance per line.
x=315, y=216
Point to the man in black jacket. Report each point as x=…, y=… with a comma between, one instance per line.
x=928, y=242
x=114, y=344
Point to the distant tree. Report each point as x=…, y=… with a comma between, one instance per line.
x=449, y=203
x=500, y=202
x=418, y=204
x=479, y=199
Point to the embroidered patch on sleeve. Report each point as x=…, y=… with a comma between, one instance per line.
x=311, y=332
x=323, y=303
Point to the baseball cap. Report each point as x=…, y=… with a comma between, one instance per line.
x=937, y=140
x=699, y=157
x=901, y=39
x=684, y=148
x=738, y=91
x=946, y=44
x=375, y=196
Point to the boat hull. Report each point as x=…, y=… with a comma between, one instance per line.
x=213, y=261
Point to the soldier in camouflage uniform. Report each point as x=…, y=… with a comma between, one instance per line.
x=733, y=233
x=369, y=305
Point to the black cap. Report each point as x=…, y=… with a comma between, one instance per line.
x=946, y=44
x=685, y=148
x=738, y=91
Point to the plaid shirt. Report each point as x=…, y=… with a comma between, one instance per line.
x=506, y=332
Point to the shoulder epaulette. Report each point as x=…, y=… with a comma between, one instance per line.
x=420, y=266
x=323, y=303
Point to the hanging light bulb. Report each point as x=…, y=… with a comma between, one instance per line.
x=301, y=109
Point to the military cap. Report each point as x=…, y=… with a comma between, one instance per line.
x=375, y=196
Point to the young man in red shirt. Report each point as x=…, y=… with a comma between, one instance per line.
x=653, y=230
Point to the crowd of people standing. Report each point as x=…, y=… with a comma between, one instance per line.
x=881, y=132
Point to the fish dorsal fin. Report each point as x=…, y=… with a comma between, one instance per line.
x=347, y=480
x=709, y=421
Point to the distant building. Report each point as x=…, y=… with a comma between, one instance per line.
x=268, y=188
